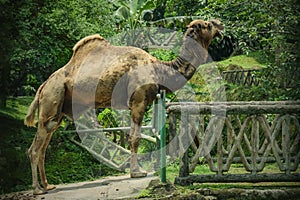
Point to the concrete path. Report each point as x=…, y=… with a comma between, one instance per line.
x=116, y=187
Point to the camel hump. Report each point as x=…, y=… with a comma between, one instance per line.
x=85, y=40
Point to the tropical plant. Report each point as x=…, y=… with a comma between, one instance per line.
x=132, y=16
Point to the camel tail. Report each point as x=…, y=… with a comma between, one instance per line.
x=30, y=117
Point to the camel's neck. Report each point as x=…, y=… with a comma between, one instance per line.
x=183, y=66
x=191, y=56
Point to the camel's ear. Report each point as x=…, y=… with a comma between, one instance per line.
x=192, y=29
x=195, y=27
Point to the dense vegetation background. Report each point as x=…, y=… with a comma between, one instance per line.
x=37, y=37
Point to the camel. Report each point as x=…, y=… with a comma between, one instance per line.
x=103, y=75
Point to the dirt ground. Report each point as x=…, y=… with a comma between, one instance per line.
x=126, y=188
x=114, y=187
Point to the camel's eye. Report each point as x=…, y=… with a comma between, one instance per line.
x=203, y=26
x=209, y=26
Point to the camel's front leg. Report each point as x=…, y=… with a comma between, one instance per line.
x=138, y=107
x=139, y=101
x=134, y=141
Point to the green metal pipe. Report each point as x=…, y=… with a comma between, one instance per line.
x=162, y=132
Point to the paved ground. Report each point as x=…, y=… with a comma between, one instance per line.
x=116, y=187
x=119, y=187
x=124, y=187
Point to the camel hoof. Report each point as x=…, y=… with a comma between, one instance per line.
x=138, y=174
x=38, y=191
x=50, y=187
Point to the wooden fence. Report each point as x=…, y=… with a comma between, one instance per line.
x=249, y=77
x=250, y=133
x=241, y=77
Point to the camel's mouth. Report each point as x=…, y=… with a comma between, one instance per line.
x=220, y=34
x=219, y=28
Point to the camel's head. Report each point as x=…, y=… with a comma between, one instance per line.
x=204, y=31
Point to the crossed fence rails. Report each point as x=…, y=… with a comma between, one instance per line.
x=251, y=133
x=221, y=133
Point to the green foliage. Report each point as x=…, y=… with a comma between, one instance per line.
x=41, y=36
x=14, y=140
x=183, y=7
x=255, y=93
x=265, y=28
x=165, y=55
x=66, y=162
x=107, y=118
x=270, y=26
x=144, y=194
x=132, y=16
x=134, y=11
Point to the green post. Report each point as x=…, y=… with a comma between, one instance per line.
x=162, y=132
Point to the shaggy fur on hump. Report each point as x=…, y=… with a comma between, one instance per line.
x=86, y=40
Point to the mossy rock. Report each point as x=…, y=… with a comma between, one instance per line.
x=161, y=189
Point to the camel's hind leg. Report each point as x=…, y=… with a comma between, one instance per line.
x=37, y=153
x=50, y=106
x=51, y=126
x=33, y=154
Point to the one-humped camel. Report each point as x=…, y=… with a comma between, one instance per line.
x=102, y=75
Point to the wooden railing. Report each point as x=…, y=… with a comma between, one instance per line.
x=251, y=77
x=241, y=77
x=221, y=134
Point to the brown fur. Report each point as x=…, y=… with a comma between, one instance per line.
x=86, y=40
x=104, y=75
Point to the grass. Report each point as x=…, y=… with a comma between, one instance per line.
x=254, y=60
x=190, y=190
x=206, y=88
x=16, y=107
x=245, y=185
x=15, y=138
x=173, y=170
